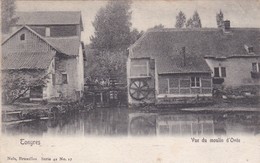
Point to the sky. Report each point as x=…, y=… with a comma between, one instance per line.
x=146, y=14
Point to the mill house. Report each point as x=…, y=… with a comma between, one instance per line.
x=179, y=66
x=46, y=44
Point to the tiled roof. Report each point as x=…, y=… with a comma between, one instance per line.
x=26, y=60
x=49, y=18
x=165, y=46
x=67, y=45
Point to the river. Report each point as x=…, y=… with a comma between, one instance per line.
x=127, y=122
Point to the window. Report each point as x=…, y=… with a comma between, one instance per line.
x=53, y=79
x=173, y=86
x=223, y=71
x=22, y=37
x=216, y=72
x=139, y=68
x=255, y=67
x=195, y=82
x=63, y=30
x=220, y=72
x=36, y=92
x=39, y=29
x=64, y=79
x=47, y=32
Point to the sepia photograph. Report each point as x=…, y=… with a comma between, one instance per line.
x=152, y=74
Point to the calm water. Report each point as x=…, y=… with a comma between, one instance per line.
x=122, y=121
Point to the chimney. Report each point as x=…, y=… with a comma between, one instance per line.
x=183, y=52
x=226, y=25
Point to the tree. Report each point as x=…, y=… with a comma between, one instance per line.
x=112, y=27
x=220, y=19
x=160, y=26
x=15, y=84
x=112, y=36
x=106, y=64
x=194, y=22
x=180, y=20
x=7, y=18
x=189, y=23
x=135, y=35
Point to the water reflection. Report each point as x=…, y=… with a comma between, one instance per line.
x=122, y=121
x=185, y=124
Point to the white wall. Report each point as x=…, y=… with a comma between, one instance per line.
x=49, y=91
x=238, y=70
x=128, y=79
x=80, y=69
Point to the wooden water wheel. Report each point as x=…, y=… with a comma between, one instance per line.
x=139, y=89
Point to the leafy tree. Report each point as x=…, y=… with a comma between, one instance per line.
x=180, y=20
x=7, y=17
x=135, y=35
x=159, y=26
x=189, y=23
x=103, y=64
x=220, y=19
x=194, y=22
x=112, y=27
x=106, y=64
x=107, y=52
x=15, y=84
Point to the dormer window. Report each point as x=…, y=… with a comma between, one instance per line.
x=249, y=49
x=22, y=37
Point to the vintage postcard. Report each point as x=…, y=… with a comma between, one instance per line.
x=130, y=81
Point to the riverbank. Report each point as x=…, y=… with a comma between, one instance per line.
x=21, y=112
x=218, y=105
